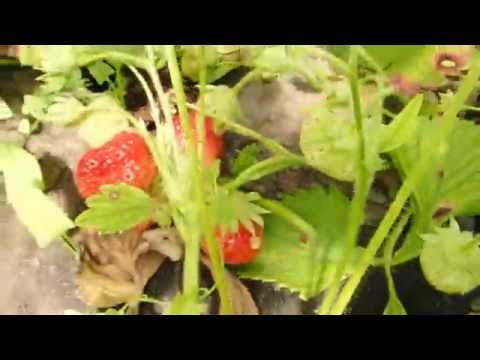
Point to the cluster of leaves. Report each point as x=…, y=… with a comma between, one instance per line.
x=307, y=245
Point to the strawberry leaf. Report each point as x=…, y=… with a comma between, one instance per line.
x=23, y=184
x=329, y=140
x=450, y=259
x=450, y=187
x=286, y=260
x=117, y=208
x=100, y=71
x=234, y=208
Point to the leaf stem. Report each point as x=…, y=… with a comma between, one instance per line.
x=291, y=217
x=192, y=249
x=362, y=185
x=263, y=168
x=389, y=247
x=251, y=76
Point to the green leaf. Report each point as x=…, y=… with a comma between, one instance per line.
x=64, y=110
x=286, y=260
x=450, y=259
x=48, y=58
x=247, y=157
x=233, y=208
x=23, y=183
x=403, y=126
x=102, y=119
x=101, y=71
x=117, y=208
x=64, y=58
x=221, y=102
x=329, y=144
x=5, y=111
x=449, y=187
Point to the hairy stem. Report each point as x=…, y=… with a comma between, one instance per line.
x=362, y=185
x=263, y=168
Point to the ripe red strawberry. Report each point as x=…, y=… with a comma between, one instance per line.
x=126, y=158
x=239, y=247
x=213, y=148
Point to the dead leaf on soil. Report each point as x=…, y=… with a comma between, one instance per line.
x=243, y=303
x=114, y=268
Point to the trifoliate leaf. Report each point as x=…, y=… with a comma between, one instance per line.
x=450, y=259
x=117, y=208
x=233, y=208
x=5, y=112
x=247, y=157
x=221, y=102
x=23, y=183
x=286, y=260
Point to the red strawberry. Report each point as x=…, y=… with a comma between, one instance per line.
x=239, y=247
x=126, y=158
x=213, y=148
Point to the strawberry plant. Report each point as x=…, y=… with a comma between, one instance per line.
x=177, y=173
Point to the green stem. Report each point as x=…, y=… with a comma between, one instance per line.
x=163, y=97
x=251, y=76
x=471, y=108
x=448, y=122
x=362, y=185
x=192, y=242
x=200, y=123
x=270, y=144
x=114, y=55
x=263, y=168
x=218, y=267
x=288, y=215
x=390, y=245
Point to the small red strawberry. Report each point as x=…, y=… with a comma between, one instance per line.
x=239, y=247
x=213, y=148
x=126, y=158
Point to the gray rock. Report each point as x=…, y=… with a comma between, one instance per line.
x=277, y=109
x=60, y=142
